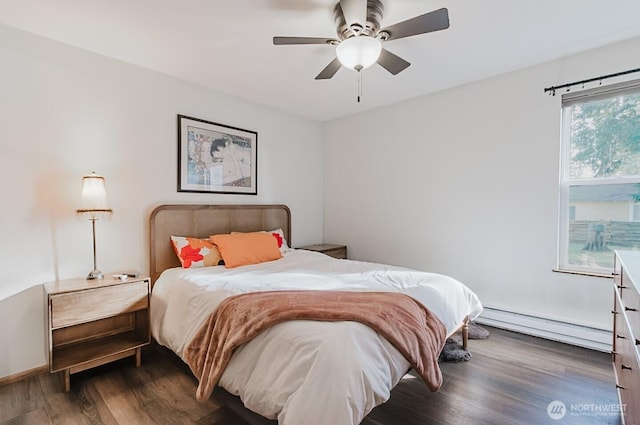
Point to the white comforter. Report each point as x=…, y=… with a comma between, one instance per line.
x=305, y=372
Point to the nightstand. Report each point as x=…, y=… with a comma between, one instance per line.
x=93, y=322
x=335, y=251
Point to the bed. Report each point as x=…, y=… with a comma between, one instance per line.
x=298, y=371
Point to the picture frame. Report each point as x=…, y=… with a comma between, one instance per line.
x=216, y=158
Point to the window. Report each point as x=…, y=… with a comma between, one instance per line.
x=600, y=176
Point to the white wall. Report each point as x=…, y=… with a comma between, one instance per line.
x=465, y=182
x=65, y=112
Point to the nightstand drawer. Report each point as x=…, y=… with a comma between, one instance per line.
x=92, y=304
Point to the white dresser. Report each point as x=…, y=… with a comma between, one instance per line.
x=626, y=333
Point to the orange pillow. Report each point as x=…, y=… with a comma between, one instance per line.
x=279, y=235
x=194, y=252
x=241, y=249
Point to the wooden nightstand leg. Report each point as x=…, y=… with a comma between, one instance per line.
x=67, y=380
x=138, y=356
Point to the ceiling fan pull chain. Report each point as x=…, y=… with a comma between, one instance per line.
x=359, y=85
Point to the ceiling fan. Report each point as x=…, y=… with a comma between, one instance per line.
x=359, y=42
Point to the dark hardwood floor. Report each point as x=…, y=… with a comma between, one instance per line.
x=511, y=379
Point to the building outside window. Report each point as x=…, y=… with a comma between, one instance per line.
x=600, y=177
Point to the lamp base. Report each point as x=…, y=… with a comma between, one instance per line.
x=95, y=274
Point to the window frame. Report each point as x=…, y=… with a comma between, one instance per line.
x=565, y=181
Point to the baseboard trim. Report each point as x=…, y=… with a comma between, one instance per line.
x=40, y=370
x=569, y=333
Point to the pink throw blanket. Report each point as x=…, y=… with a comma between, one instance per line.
x=412, y=329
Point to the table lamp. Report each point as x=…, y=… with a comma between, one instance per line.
x=94, y=207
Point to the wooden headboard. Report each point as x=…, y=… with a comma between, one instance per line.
x=205, y=220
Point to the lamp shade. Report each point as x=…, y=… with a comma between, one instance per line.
x=94, y=195
x=358, y=53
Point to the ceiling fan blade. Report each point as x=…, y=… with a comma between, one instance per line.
x=330, y=70
x=303, y=40
x=429, y=22
x=392, y=63
x=354, y=11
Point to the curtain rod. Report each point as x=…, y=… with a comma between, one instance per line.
x=553, y=89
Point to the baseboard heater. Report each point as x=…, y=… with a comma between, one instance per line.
x=569, y=333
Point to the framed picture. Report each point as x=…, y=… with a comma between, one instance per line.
x=216, y=158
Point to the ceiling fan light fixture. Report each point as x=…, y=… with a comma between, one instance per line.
x=359, y=53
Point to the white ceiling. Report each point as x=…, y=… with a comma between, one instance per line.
x=227, y=44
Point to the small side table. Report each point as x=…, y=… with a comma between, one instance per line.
x=335, y=251
x=93, y=322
